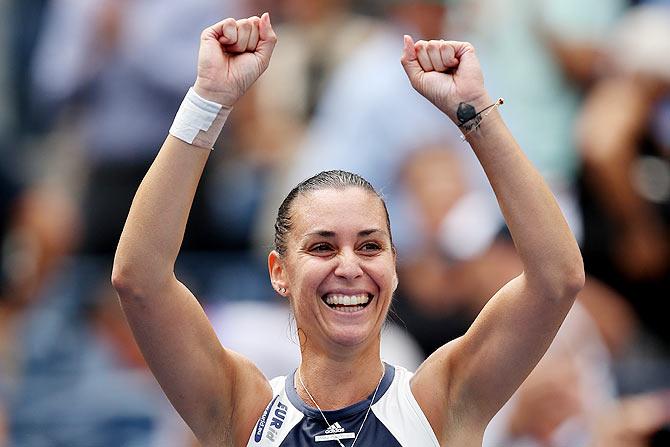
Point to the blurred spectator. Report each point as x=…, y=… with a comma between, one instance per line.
x=36, y=228
x=8, y=194
x=37, y=332
x=57, y=376
x=636, y=421
x=84, y=382
x=270, y=120
x=368, y=119
x=70, y=373
x=5, y=112
x=23, y=21
x=559, y=403
x=624, y=134
x=316, y=38
x=536, y=54
x=3, y=428
x=105, y=64
x=461, y=258
x=444, y=285
x=433, y=287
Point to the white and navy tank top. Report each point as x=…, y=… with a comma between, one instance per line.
x=395, y=418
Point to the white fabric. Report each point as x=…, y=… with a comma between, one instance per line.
x=266, y=434
x=397, y=410
x=400, y=413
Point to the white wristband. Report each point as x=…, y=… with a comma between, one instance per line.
x=199, y=121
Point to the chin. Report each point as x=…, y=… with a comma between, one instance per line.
x=353, y=337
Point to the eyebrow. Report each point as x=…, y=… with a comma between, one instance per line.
x=332, y=234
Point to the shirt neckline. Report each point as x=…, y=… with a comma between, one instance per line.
x=334, y=415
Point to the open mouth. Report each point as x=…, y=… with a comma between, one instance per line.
x=347, y=303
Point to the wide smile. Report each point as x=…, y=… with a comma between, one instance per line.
x=347, y=303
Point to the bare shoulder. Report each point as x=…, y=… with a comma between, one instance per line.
x=230, y=421
x=431, y=386
x=252, y=393
x=436, y=388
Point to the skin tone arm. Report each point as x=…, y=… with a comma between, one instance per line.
x=463, y=384
x=207, y=384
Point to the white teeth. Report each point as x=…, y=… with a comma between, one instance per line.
x=351, y=308
x=348, y=300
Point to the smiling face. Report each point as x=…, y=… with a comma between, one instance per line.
x=339, y=266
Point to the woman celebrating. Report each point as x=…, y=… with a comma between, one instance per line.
x=335, y=262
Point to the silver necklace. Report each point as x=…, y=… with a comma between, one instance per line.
x=324, y=416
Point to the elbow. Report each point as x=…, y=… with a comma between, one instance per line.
x=562, y=282
x=137, y=277
x=133, y=282
x=575, y=279
x=123, y=282
x=127, y=282
x=571, y=279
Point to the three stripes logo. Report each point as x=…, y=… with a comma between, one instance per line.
x=335, y=428
x=334, y=433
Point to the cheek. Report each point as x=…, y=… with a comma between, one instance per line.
x=308, y=272
x=306, y=276
x=383, y=274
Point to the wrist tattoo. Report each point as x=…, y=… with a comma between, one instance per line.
x=468, y=116
x=470, y=119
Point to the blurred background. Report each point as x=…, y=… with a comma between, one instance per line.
x=88, y=90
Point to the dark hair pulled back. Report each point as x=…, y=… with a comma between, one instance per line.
x=335, y=179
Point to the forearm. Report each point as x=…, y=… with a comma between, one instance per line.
x=448, y=74
x=546, y=246
x=155, y=226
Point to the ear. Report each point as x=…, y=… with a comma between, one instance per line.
x=277, y=273
x=395, y=271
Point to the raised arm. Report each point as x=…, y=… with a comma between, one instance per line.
x=463, y=384
x=204, y=381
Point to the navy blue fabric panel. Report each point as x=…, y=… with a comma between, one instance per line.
x=334, y=415
x=374, y=433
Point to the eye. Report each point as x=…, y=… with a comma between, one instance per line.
x=321, y=248
x=370, y=247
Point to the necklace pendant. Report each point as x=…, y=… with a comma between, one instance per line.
x=336, y=430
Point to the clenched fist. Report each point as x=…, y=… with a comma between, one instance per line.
x=233, y=54
x=447, y=73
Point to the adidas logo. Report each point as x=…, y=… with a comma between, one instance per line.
x=335, y=428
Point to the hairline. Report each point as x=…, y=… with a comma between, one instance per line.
x=337, y=180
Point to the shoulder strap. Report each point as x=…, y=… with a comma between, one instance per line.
x=278, y=419
x=400, y=413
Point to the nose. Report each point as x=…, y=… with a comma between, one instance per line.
x=348, y=265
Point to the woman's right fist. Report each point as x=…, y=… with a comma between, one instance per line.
x=233, y=54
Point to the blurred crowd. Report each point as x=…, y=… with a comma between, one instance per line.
x=89, y=89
